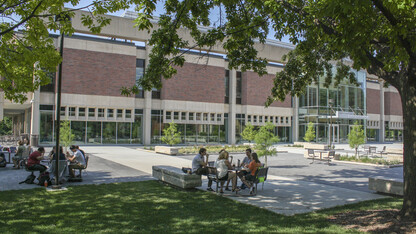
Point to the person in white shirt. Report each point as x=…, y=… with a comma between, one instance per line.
x=77, y=160
x=223, y=165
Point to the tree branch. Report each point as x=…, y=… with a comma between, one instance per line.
x=393, y=21
x=70, y=10
x=23, y=20
x=11, y=6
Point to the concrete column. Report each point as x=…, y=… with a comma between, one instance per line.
x=232, y=106
x=1, y=105
x=35, y=119
x=382, y=128
x=147, y=111
x=295, y=124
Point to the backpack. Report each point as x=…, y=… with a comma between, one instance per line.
x=2, y=160
x=44, y=177
x=29, y=179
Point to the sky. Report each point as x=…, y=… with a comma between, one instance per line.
x=160, y=10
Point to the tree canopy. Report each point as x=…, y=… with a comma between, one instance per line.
x=376, y=35
x=27, y=52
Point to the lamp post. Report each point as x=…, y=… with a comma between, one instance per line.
x=330, y=103
x=61, y=18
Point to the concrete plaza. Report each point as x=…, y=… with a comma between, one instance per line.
x=293, y=185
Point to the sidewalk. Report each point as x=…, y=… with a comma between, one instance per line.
x=282, y=195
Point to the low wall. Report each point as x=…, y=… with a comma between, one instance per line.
x=386, y=185
x=167, y=150
x=175, y=176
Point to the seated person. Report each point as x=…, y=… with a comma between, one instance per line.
x=33, y=163
x=77, y=160
x=3, y=161
x=200, y=167
x=61, y=154
x=223, y=165
x=244, y=164
x=19, y=154
x=252, y=168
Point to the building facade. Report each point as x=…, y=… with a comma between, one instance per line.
x=210, y=103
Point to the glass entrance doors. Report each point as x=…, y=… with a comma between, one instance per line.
x=333, y=132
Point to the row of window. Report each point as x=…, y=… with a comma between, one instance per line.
x=192, y=116
x=92, y=112
x=371, y=123
x=396, y=125
x=259, y=119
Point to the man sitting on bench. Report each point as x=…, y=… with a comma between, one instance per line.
x=77, y=160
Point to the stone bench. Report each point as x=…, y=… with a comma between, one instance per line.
x=167, y=150
x=175, y=176
x=386, y=185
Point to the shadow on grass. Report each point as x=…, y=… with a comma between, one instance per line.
x=148, y=206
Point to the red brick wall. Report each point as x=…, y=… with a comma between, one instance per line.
x=392, y=104
x=96, y=73
x=373, y=101
x=193, y=82
x=256, y=89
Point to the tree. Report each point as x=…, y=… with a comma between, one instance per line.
x=249, y=133
x=310, y=133
x=27, y=53
x=66, y=137
x=265, y=139
x=6, y=126
x=356, y=137
x=375, y=35
x=171, y=135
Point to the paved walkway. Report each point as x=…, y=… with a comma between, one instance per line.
x=281, y=194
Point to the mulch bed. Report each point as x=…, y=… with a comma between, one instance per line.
x=376, y=221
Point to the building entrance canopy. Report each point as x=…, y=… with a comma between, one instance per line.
x=344, y=115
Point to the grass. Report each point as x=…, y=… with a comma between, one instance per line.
x=379, y=161
x=152, y=207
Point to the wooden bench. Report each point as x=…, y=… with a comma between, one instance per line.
x=176, y=177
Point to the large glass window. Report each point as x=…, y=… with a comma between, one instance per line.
x=190, y=133
x=46, y=127
x=123, y=133
x=109, y=132
x=157, y=126
x=78, y=129
x=136, y=133
x=312, y=98
x=203, y=133
x=93, y=132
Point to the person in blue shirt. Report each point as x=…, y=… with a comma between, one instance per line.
x=245, y=163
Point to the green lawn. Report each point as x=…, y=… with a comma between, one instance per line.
x=150, y=206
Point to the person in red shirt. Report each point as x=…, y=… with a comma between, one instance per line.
x=33, y=163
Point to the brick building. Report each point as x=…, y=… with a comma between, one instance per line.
x=209, y=103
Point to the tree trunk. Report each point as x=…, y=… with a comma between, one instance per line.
x=408, y=96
